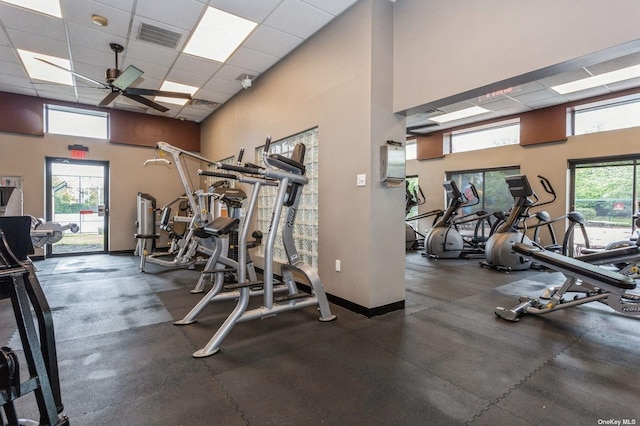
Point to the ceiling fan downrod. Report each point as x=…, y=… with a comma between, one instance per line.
x=113, y=73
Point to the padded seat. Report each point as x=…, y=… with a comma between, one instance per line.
x=567, y=264
x=220, y=226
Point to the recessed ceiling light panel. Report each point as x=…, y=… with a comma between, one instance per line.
x=218, y=35
x=598, y=80
x=170, y=86
x=457, y=115
x=48, y=7
x=40, y=71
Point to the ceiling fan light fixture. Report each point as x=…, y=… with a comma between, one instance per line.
x=99, y=20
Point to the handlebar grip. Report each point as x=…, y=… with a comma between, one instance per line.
x=241, y=169
x=267, y=144
x=216, y=174
x=240, y=155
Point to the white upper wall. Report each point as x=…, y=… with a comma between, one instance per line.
x=446, y=47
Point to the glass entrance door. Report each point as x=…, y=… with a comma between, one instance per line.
x=77, y=192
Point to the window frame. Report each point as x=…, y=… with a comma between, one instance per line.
x=449, y=137
x=76, y=112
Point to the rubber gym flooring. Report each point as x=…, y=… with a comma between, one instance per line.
x=444, y=360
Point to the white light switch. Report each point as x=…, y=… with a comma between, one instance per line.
x=361, y=180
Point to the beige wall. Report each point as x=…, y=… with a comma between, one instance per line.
x=341, y=81
x=25, y=156
x=446, y=47
x=549, y=160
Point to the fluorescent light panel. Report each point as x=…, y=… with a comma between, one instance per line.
x=457, y=115
x=48, y=7
x=218, y=35
x=598, y=80
x=170, y=86
x=40, y=71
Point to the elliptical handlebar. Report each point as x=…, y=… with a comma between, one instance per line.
x=216, y=174
x=546, y=185
x=240, y=169
x=240, y=155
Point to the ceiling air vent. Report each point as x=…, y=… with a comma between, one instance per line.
x=433, y=112
x=202, y=104
x=158, y=35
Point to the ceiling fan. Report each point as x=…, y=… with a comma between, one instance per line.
x=118, y=83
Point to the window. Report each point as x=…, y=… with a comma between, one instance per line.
x=305, y=232
x=483, y=137
x=76, y=122
x=411, y=149
x=606, y=192
x=492, y=190
x=619, y=114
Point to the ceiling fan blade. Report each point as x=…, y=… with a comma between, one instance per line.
x=150, y=92
x=74, y=73
x=109, y=98
x=146, y=102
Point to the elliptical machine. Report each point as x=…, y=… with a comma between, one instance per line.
x=443, y=240
x=498, y=252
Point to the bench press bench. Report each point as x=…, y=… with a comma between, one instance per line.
x=594, y=282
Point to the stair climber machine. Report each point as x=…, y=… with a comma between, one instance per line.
x=444, y=240
x=498, y=252
x=187, y=249
x=289, y=174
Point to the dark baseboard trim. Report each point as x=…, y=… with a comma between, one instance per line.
x=354, y=307
x=121, y=252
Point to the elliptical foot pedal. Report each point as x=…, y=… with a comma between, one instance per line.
x=294, y=296
x=235, y=286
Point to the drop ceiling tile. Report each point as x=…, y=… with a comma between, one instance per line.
x=297, y=18
x=186, y=77
x=183, y=14
x=94, y=57
x=13, y=68
x=139, y=51
x=334, y=7
x=126, y=5
x=252, y=10
x=93, y=38
x=272, y=42
x=187, y=62
x=231, y=73
x=214, y=95
x=626, y=84
x=565, y=77
x=200, y=113
x=17, y=89
x=8, y=54
x=79, y=12
x=252, y=60
x=615, y=64
x=4, y=40
x=498, y=103
x=39, y=44
x=539, y=95
x=36, y=23
x=16, y=80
